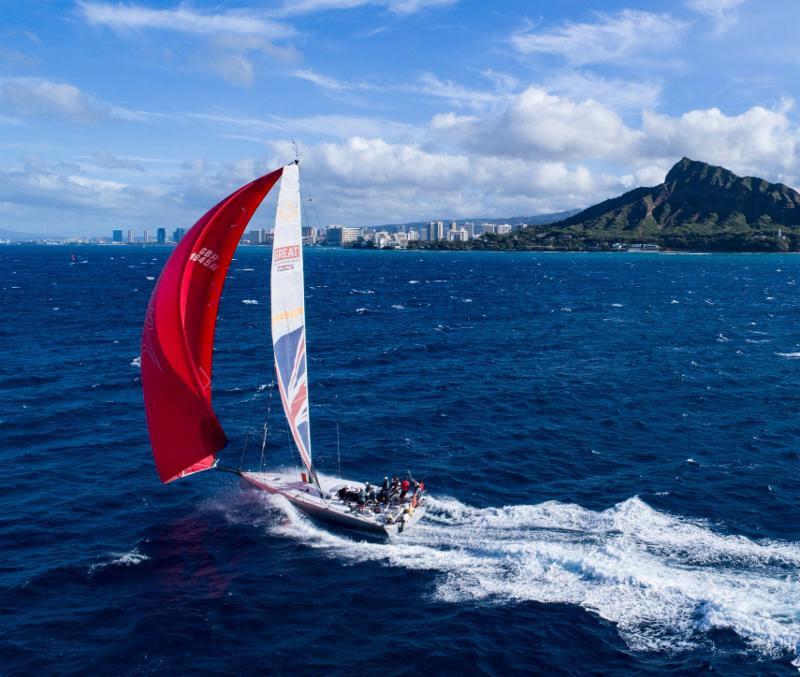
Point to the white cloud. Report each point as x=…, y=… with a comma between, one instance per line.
x=236, y=69
x=539, y=125
x=33, y=97
x=623, y=95
x=321, y=80
x=610, y=38
x=339, y=126
x=542, y=125
x=235, y=36
x=58, y=185
x=182, y=19
x=27, y=97
x=361, y=161
x=395, y=6
x=457, y=94
x=332, y=84
x=107, y=160
x=370, y=180
x=722, y=12
x=759, y=141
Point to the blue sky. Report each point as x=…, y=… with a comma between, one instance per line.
x=143, y=114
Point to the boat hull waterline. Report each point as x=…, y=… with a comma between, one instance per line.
x=326, y=505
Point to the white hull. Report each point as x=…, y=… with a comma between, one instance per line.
x=390, y=520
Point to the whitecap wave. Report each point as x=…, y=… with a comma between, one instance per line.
x=250, y=302
x=136, y=362
x=666, y=582
x=789, y=356
x=126, y=559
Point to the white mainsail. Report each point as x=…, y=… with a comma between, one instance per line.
x=288, y=314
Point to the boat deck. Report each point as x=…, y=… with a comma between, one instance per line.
x=391, y=519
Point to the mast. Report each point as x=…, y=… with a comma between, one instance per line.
x=289, y=316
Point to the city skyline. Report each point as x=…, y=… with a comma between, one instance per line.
x=146, y=112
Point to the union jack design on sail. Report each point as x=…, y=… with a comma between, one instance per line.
x=288, y=314
x=290, y=364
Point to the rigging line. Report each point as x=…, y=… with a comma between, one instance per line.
x=252, y=420
x=248, y=409
x=311, y=202
x=244, y=448
x=266, y=424
x=338, y=451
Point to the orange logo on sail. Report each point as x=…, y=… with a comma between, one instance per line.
x=288, y=314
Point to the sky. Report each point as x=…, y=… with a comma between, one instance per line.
x=144, y=114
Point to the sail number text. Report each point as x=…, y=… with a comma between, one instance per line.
x=205, y=257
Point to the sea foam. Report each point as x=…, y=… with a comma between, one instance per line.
x=666, y=582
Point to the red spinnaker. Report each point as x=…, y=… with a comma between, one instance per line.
x=178, y=336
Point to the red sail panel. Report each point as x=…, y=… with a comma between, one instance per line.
x=178, y=336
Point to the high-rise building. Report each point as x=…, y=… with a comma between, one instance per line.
x=161, y=235
x=413, y=235
x=146, y=236
x=453, y=225
x=341, y=235
x=309, y=235
x=503, y=228
x=254, y=237
x=436, y=230
x=131, y=236
x=178, y=234
x=116, y=236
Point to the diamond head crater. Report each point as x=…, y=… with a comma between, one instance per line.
x=698, y=207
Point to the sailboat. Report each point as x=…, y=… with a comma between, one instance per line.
x=176, y=360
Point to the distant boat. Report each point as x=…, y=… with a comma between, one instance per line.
x=177, y=344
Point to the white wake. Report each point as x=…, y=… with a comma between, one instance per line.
x=665, y=582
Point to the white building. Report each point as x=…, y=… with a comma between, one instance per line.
x=413, y=235
x=342, y=235
x=457, y=235
x=131, y=236
x=503, y=228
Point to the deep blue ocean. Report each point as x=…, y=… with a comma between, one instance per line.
x=610, y=442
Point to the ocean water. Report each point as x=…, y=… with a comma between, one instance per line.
x=610, y=442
